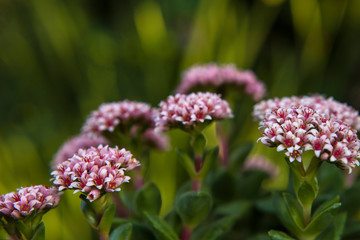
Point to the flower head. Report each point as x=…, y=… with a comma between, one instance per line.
x=215, y=77
x=111, y=115
x=300, y=129
x=129, y=118
x=27, y=201
x=318, y=103
x=95, y=171
x=192, y=111
x=70, y=147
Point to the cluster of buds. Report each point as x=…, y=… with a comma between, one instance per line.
x=27, y=201
x=300, y=129
x=95, y=171
x=318, y=103
x=193, y=111
x=134, y=120
x=215, y=77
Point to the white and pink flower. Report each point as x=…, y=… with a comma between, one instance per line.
x=130, y=119
x=27, y=201
x=299, y=129
x=71, y=146
x=318, y=103
x=95, y=171
x=191, y=111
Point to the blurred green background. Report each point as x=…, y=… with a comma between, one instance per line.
x=60, y=59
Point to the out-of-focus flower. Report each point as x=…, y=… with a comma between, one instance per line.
x=117, y=114
x=318, y=103
x=300, y=129
x=193, y=111
x=27, y=201
x=132, y=120
x=216, y=77
x=258, y=162
x=71, y=146
x=95, y=171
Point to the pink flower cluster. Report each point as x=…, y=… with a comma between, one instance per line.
x=191, y=111
x=95, y=171
x=28, y=200
x=70, y=147
x=320, y=104
x=110, y=115
x=134, y=120
x=300, y=129
x=201, y=77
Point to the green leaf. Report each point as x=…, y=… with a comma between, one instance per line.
x=306, y=193
x=295, y=209
x=223, y=187
x=322, y=219
x=187, y=163
x=265, y=205
x=162, y=230
x=193, y=207
x=283, y=214
x=24, y=228
x=89, y=212
x=148, y=199
x=107, y=218
x=39, y=233
x=118, y=222
x=326, y=205
x=335, y=232
x=210, y=157
x=198, y=143
x=123, y=232
x=278, y=235
x=214, y=230
x=174, y=221
x=350, y=200
x=141, y=231
x=249, y=184
x=238, y=208
x=239, y=154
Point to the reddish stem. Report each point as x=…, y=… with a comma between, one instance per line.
x=198, y=163
x=185, y=233
x=195, y=184
x=138, y=179
x=224, y=149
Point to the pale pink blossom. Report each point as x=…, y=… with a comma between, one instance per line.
x=259, y=162
x=299, y=129
x=318, y=103
x=130, y=119
x=191, y=111
x=95, y=171
x=216, y=77
x=27, y=201
x=71, y=146
x=110, y=115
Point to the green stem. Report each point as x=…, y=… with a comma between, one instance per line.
x=104, y=235
x=307, y=237
x=307, y=214
x=306, y=189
